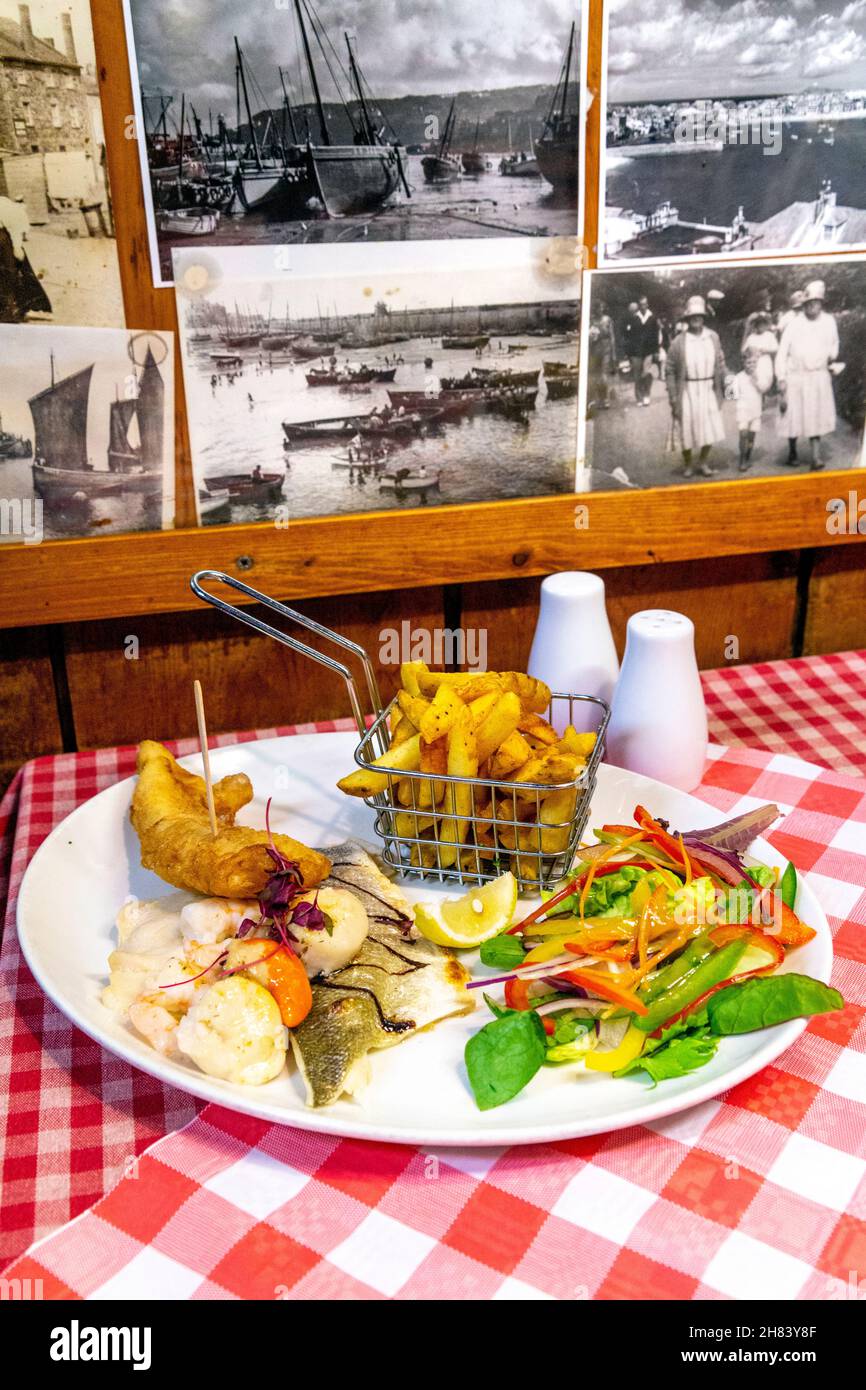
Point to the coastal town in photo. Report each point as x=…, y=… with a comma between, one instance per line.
x=734, y=128
x=58, y=254
x=723, y=371
x=324, y=120
x=312, y=394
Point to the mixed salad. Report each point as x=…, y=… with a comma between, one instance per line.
x=657, y=947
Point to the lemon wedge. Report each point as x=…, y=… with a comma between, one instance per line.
x=465, y=922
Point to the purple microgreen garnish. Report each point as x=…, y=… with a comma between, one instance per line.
x=310, y=917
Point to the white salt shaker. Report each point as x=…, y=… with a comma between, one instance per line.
x=658, y=725
x=573, y=648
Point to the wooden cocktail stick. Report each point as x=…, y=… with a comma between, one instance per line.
x=205, y=756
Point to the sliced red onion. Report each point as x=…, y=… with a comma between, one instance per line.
x=539, y=971
x=726, y=864
x=736, y=834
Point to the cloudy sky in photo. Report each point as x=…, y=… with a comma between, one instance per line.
x=702, y=48
x=404, y=46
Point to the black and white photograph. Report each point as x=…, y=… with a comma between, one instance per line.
x=722, y=372
x=733, y=127
x=86, y=431
x=446, y=378
x=348, y=120
x=58, y=253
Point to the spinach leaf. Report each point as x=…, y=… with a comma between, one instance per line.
x=495, y=1007
x=683, y=1054
x=503, y=951
x=504, y=1056
x=769, y=999
x=788, y=886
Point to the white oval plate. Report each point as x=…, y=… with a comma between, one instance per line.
x=419, y=1094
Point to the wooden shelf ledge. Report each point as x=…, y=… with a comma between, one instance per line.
x=148, y=572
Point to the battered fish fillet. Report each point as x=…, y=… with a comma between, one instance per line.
x=169, y=813
x=396, y=985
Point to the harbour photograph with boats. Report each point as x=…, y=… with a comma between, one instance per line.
x=313, y=394
x=326, y=120
x=734, y=130
x=87, y=428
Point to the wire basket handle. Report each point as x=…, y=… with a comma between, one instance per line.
x=338, y=667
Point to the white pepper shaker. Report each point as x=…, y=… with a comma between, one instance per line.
x=658, y=724
x=573, y=648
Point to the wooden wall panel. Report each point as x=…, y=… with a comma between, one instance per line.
x=836, y=613
x=752, y=598
x=249, y=681
x=29, y=721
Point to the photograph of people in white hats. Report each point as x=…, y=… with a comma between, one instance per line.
x=722, y=372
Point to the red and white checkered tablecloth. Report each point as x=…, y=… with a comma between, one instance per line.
x=810, y=707
x=760, y=1192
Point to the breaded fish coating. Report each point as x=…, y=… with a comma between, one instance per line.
x=169, y=813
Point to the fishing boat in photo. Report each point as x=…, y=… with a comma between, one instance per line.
x=475, y=340
x=361, y=176
x=557, y=150
x=487, y=376
x=442, y=165
x=518, y=164
x=350, y=376
x=255, y=486
x=214, y=505
x=475, y=398
x=187, y=221
x=562, y=386
x=473, y=161
x=404, y=480
x=270, y=174
x=325, y=431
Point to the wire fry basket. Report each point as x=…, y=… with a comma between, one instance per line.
x=470, y=830
x=453, y=829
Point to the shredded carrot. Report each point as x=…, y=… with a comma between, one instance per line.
x=673, y=945
x=643, y=934
x=686, y=861
x=602, y=859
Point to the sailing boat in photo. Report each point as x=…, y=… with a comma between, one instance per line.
x=62, y=470
x=349, y=178
x=443, y=164
x=271, y=173
x=557, y=151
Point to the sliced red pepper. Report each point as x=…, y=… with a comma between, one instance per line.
x=729, y=931
x=792, y=931
x=517, y=994
x=549, y=1026
x=606, y=989
x=662, y=840
x=615, y=950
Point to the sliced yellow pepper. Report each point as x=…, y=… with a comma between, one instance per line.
x=555, y=946
x=627, y=1050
